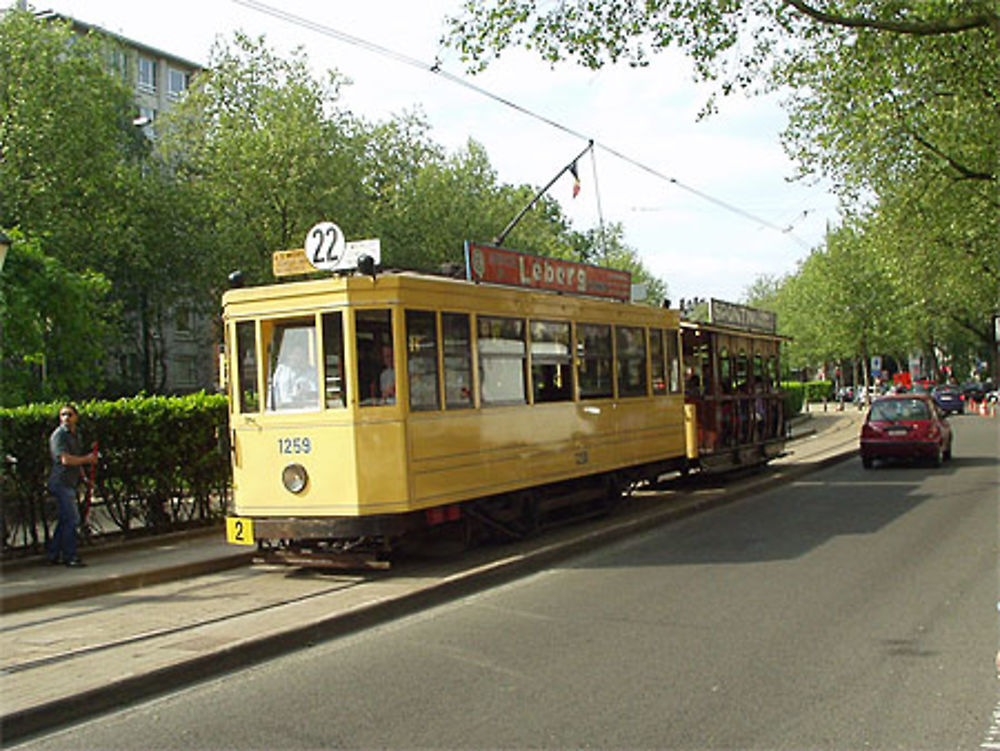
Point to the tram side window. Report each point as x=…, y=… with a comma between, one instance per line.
x=246, y=354
x=551, y=378
x=631, y=361
x=656, y=361
x=291, y=364
x=673, y=362
x=333, y=353
x=593, y=353
x=501, y=360
x=457, y=344
x=422, y=359
x=742, y=373
x=376, y=363
x=772, y=373
x=725, y=371
x=758, y=373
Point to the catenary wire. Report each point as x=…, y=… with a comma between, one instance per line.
x=436, y=69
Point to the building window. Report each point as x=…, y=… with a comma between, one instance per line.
x=147, y=74
x=184, y=321
x=118, y=62
x=177, y=82
x=186, y=370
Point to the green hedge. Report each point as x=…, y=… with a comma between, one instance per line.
x=796, y=393
x=164, y=464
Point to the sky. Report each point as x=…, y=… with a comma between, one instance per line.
x=694, y=244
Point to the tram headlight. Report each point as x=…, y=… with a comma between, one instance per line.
x=295, y=478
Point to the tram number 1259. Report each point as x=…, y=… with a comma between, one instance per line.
x=294, y=445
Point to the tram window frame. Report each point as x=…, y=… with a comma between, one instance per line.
x=673, y=360
x=457, y=360
x=422, y=360
x=632, y=367
x=758, y=372
x=246, y=367
x=594, y=364
x=772, y=373
x=376, y=378
x=726, y=383
x=291, y=382
x=742, y=372
x=658, y=362
x=334, y=369
x=551, y=367
x=500, y=384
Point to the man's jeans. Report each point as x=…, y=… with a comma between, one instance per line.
x=63, y=543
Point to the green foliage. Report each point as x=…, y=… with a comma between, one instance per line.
x=896, y=102
x=797, y=393
x=53, y=327
x=164, y=461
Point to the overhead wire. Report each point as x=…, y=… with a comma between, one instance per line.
x=436, y=69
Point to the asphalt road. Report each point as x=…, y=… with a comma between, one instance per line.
x=853, y=609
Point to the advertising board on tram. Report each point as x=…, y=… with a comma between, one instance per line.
x=485, y=263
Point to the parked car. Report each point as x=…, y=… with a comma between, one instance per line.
x=949, y=399
x=905, y=426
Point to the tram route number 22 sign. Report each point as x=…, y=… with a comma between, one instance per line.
x=325, y=245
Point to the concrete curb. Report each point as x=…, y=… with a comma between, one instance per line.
x=51, y=715
x=120, y=583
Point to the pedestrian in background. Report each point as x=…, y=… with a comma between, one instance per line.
x=67, y=458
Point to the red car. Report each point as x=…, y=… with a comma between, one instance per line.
x=905, y=426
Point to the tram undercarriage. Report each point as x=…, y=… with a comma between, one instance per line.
x=373, y=541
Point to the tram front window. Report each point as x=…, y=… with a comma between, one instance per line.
x=376, y=361
x=291, y=365
x=246, y=355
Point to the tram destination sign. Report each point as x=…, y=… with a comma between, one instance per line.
x=296, y=261
x=484, y=263
x=742, y=317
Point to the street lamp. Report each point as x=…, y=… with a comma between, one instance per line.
x=5, y=243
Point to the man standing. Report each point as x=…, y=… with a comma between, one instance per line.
x=67, y=458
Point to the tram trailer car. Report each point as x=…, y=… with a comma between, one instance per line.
x=366, y=409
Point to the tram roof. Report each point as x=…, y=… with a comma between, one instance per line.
x=403, y=287
x=716, y=328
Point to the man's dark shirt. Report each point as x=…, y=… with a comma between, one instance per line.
x=64, y=441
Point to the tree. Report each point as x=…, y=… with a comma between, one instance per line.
x=51, y=327
x=265, y=153
x=65, y=134
x=76, y=175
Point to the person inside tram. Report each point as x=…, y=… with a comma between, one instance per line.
x=294, y=382
x=387, y=379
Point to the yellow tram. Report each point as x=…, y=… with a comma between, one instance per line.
x=367, y=407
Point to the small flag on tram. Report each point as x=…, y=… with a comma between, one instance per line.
x=576, y=179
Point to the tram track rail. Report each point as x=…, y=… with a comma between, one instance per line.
x=233, y=622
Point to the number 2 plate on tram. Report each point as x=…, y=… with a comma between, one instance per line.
x=239, y=530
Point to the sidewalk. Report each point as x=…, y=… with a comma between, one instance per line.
x=76, y=642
